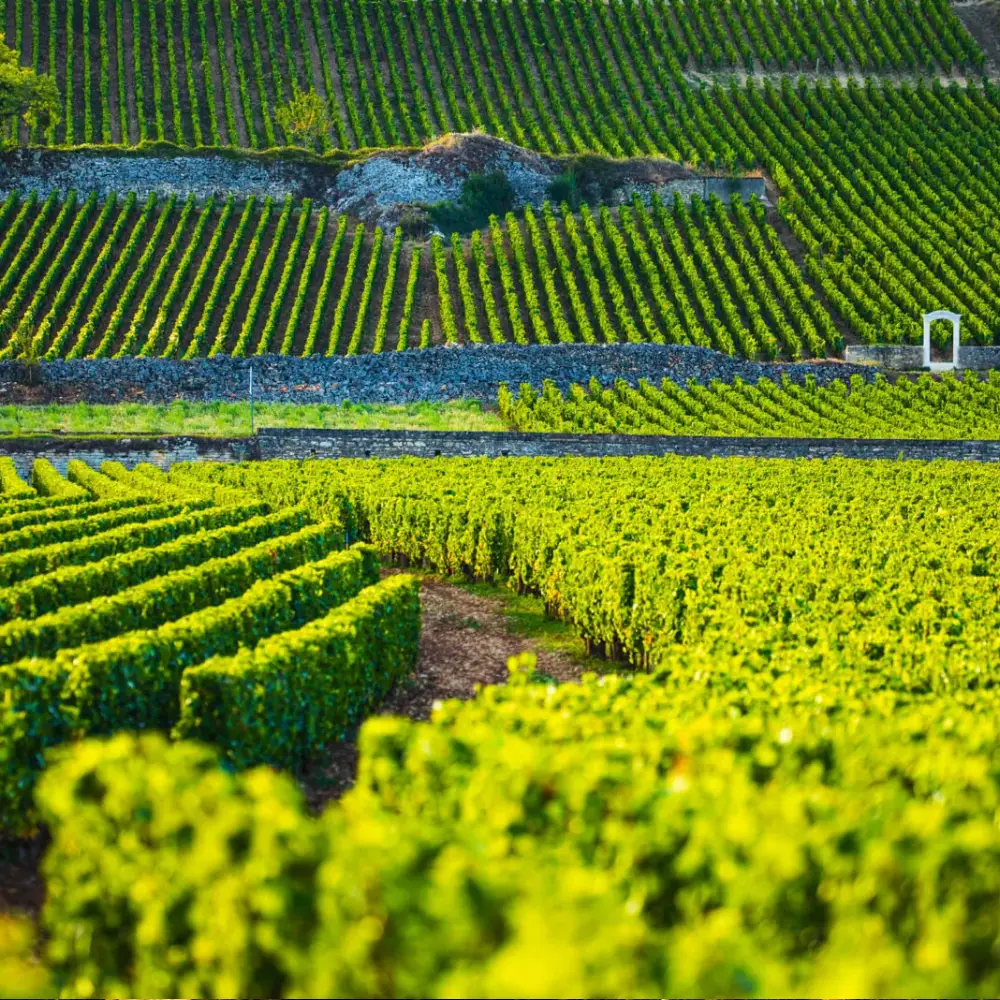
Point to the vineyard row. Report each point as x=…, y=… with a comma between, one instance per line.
x=143, y=604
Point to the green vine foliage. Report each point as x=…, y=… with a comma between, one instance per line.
x=795, y=796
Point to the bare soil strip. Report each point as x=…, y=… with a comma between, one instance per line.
x=466, y=640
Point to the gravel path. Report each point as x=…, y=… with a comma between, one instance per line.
x=435, y=374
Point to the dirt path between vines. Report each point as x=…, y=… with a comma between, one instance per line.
x=465, y=641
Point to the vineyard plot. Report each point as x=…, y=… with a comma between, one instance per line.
x=214, y=72
x=112, y=594
x=884, y=189
x=947, y=409
x=181, y=280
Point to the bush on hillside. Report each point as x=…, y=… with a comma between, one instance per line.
x=482, y=195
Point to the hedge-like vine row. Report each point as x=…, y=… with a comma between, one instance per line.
x=133, y=681
x=316, y=682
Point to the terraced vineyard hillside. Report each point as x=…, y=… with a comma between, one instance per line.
x=174, y=279
x=887, y=198
x=885, y=192
x=544, y=75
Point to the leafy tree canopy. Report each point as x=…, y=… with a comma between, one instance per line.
x=305, y=117
x=25, y=93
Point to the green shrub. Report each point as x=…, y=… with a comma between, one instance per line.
x=630, y=836
x=12, y=486
x=482, y=195
x=564, y=189
x=46, y=481
x=48, y=592
x=22, y=976
x=30, y=502
x=47, y=547
x=66, y=512
x=130, y=911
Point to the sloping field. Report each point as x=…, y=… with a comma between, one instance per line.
x=561, y=77
x=173, y=279
x=886, y=192
x=886, y=207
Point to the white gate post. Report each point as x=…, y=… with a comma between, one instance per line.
x=956, y=339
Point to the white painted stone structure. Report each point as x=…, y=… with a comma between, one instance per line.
x=956, y=325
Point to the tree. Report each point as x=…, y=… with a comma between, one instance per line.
x=24, y=348
x=25, y=93
x=305, y=117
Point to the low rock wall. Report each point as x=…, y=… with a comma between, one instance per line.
x=432, y=375
x=979, y=358
x=910, y=357
x=161, y=452
x=304, y=444
x=897, y=357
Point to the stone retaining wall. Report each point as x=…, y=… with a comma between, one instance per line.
x=896, y=357
x=907, y=357
x=161, y=452
x=305, y=443
x=432, y=375
x=280, y=443
x=979, y=358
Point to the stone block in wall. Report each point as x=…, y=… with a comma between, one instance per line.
x=978, y=358
x=898, y=357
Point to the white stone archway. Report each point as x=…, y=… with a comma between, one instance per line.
x=956, y=326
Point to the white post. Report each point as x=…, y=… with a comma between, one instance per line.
x=956, y=338
x=251, y=403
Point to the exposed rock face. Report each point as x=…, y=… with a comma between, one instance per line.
x=385, y=188
x=45, y=171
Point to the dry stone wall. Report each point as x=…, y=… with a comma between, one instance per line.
x=306, y=444
x=161, y=452
x=434, y=374
x=908, y=357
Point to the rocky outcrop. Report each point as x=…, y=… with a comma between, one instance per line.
x=385, y=188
